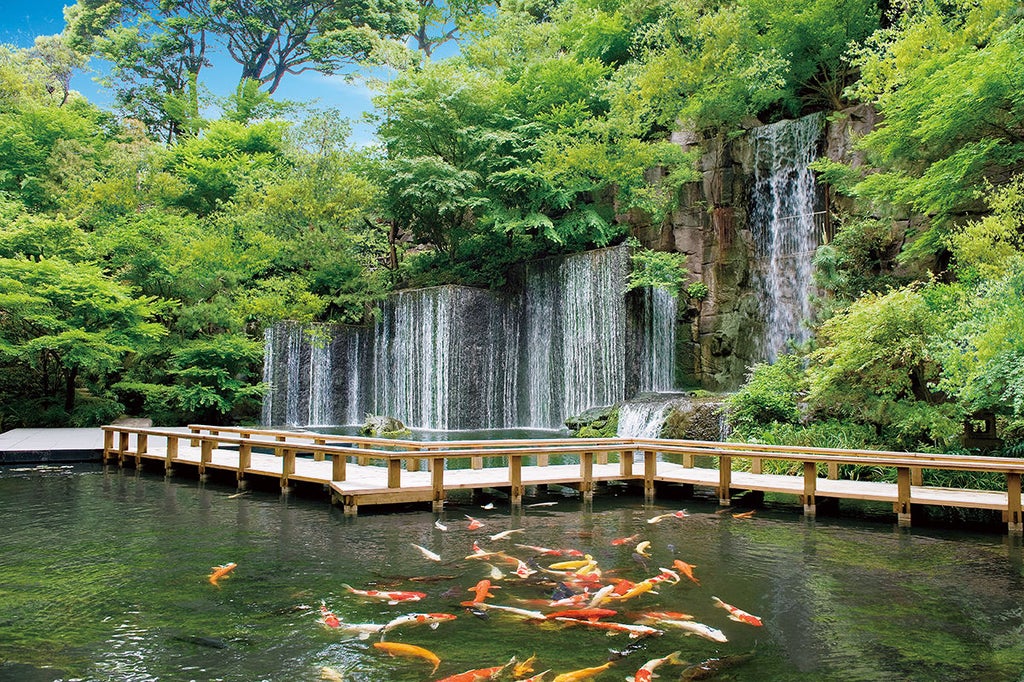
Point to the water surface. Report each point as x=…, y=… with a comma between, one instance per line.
x=103, y=576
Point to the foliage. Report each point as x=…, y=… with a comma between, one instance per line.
x=698, y=291
x=771, y=395
x=664, y=269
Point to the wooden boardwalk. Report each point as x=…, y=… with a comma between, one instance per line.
x=361, y=471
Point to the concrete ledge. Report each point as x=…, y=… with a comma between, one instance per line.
x=27, y=446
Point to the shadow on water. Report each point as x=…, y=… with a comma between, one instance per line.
x=104, y=576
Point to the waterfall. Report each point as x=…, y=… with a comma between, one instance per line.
x=784, y=200
x=456, y=357
x=267, y=416
x=643, y=418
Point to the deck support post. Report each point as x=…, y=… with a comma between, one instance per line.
x=349, y=506
x=195, y=440
x=1015, y=524
x=724, y=480
x=171, y=455
x=108, y=445
x=244, y=461
x=437, y=483
x=338, y=462
x=650, y=468
x=141, y=448
x=810, y=486
x=122, y=447
x=394, y=472
x=205, y=455
x=515, y=477
x=587, y=475
x=903, y=496
x=287, y=468
x=318, y=455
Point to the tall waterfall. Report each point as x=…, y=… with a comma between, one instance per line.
x=784, y=222
x=461, y=358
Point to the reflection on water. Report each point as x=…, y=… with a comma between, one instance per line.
x=103, y=576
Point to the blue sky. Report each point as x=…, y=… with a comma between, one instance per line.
x=21, y=22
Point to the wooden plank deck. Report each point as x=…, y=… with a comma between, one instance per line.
x=365, y=471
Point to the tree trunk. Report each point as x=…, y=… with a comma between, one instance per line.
x=69, y=389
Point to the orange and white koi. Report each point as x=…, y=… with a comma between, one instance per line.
x=625, y=541
x=646, y=671
x=738, y=615
x=481, y=553
x=694, y=628
x=582, y=674
x=686, y=569
x=666, y=575
x=634, y=631
x=221, y=571
x=426, y=552
x=431, y=619
x=681, y=514
x=522, y=570
x=474, y=523
x=481, y=591
x=327, y=617
x=390, y=596
x=398, y=649
x=583, y=614
x=664, y=615
x=481, y=674
x=571, y=600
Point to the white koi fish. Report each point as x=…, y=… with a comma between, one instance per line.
x=522, y=613
x=505, y=533
x=495, y=573
x=601, y=596
x=426, y=552
x=440, y=526
x=694, y=628
x=431, y=619
x=681, y=514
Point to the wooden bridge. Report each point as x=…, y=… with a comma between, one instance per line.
x=366, y=471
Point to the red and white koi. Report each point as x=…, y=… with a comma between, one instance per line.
x=738, y=615
x=666, y=575
x=430, y=619
x=646, y=671
x=474, y=523
x=681, y=514
x=390, y=596
x=625, y=541
x=327, y=617
x=543, y=551
x=583, y=614
x=634, y=631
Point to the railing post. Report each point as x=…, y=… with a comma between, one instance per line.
x=587, y=475
x=394, y=472
x=205, y=455
x=244, y=460
x=141, y=448
x=833, y=470
x=363, y=460
x=626, y=463
x=170, y=455
x=650, y=468
x=195, y=440
x=318, y=455
x=688, y=460
x=542, y=460
x=412, y=464
x=602, y=457
x=903, y=496
x=338, y=466
x=437, y=483
x=476, y=462
x=810, y=487
x=724, y=480
x=1013, y=503
x=916, y=476
x=755, y=465
x=108, y=445
x=122, y=446
x=515, y=477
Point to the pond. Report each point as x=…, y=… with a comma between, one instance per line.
x=104, y=576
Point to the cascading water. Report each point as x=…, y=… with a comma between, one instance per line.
x=784, y=222
x=461, y=358
x=642, y=418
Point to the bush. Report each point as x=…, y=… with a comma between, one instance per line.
x=771, y=395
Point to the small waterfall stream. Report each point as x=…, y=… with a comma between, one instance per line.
x=785, y=222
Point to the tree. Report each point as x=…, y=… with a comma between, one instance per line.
x=441, y=21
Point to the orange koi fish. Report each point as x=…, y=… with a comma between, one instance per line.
x=583, y=614
x=665, y=615
x=646, y=671
x=738, y=615
x=482, y=590
x=327, y=618
x=745, y=515
x=398, y=649
x=582, y=674
x=221, y=571
x=625, y=541
x=686, y=569
x=481, y=674
x=391, y=597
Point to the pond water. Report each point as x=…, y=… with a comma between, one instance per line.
x=103, y=576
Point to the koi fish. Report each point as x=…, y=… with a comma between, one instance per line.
x=481, y=553
x=481, y=674
x=522, y=613
x=542, y=504
x=686, y=569
x=571, y=565
x=613, y=628
x=646, y=671
x=625, y=541
x=681, y=514
x=440, y=526
x=522, y=570
x=738, y=615
x=543, y=551
x=693, y=628
x=426, y=552
x=622, y=587
x=361, y=630
x=665, y=615
x=601, y=596
x=712, y=667
x=583, y=614
x=637, y=589
x=745, y=515
x=482, y=590
x=431, y=619
x=582, y=674
x=642, y=548
x=391, y=597
x=331, y=675
x=398, y=649
x=327, y=617
x=474, y=523
x=505, y=533
x=495, y=572
x=221, y=571
x=489, y=505
x=666, y=575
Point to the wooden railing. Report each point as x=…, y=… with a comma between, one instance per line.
x=287, y=445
